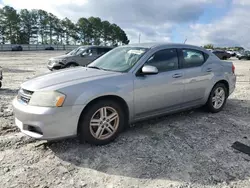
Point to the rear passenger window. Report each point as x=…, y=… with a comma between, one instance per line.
x=164, y=60
x=192, y=58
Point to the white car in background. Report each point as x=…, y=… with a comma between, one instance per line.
x=232, y=53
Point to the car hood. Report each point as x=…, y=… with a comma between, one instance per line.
x=65, y=76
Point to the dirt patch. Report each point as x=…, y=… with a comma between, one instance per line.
x=188, y=149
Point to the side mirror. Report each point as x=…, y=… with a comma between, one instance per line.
x=148, y=70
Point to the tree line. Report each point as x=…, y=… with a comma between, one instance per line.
x=235, y=48
x=40, y=27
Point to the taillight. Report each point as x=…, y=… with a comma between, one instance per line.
x=233, y=68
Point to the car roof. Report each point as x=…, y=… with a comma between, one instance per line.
x=87, y=46
x=157, y=44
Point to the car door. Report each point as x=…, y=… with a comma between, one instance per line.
x=162, y=92
x=198, y=74
x=88, y=56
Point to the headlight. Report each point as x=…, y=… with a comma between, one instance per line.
x=47, y=99
x=59, y=61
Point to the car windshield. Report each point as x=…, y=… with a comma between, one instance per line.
x=120, y=59
x=77, y=51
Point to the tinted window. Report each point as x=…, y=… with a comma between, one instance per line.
x=164, y=60
x=103, y=50
x=192, y=58
x=91, y=51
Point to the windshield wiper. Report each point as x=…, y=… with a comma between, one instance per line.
x=94, y=67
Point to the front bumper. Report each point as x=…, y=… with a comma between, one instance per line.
x=53, y=66
x=232, y=84
x=46, y=123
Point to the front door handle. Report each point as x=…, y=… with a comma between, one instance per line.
x=209, y=69
x=177, y=75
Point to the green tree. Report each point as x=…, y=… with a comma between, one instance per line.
x=11, y=23
x=209, y=46
x=84, y=30
x=28, y=26
x=96, y=29
x=43, y=25
x=3, y=26
x=58, y=31
x=106, y=32
x=69, y=29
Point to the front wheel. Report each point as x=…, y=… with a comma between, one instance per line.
x=71, y=65
x=217, y=98
x=101, y=123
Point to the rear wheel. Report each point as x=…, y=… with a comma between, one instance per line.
x=101, y=123
x=217, y=98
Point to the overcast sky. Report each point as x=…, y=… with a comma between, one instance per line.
x=221, y=22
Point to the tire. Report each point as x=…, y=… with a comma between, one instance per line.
x=217, y=106
x=70, y=65
x=89, y=133
x=224, y=58
x=0, y=84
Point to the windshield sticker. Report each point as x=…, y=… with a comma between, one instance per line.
x=138, y=52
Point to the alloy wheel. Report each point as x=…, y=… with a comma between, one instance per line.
x=218, y=98
x=104, y=123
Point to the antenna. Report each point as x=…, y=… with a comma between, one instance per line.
x=139, y=37
x=185, y=41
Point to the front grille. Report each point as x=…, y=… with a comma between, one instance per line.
x=24, y=95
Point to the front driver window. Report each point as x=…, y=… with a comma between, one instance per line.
x=164, y=60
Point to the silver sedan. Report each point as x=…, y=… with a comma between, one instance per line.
x=128, y=84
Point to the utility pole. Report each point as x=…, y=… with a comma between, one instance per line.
x=139, y=38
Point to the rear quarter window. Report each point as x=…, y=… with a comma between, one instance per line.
x=193, y=58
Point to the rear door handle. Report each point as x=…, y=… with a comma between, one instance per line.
x=177, y=75
x=209, y=69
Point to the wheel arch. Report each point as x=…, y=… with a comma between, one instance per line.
x=225, y=83
x=116, y=98
x=71, y=63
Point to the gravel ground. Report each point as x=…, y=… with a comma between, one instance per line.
x=189, y=149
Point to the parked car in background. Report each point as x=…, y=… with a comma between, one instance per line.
x=221, y=54
x=239, y=54
x=128, y=84
x=1, y=76
x=210, y=50
x=80, y=56
x=17, y=48
x=231, y=52
x=244, y=55
x=49, y=48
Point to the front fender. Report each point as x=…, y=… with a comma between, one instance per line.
x=97, y=91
